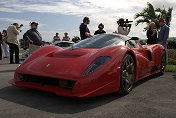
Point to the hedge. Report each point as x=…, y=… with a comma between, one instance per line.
x=171, y=44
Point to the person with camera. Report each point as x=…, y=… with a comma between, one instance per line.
x=100, y=29
x=84, y=30
x=12, y=40
x=124, y=27
x=152, y=34
x=34, y=38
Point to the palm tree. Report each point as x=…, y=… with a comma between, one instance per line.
x=165, y=14
x=150, y=14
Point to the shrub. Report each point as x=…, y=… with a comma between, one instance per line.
x=171, y=68
x=171, y=44
x=171, y=61
x=172, y=53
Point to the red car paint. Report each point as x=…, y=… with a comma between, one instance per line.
x=67, y=64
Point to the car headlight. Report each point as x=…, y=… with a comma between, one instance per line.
x=98, y=62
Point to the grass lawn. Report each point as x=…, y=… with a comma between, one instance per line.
x=171, y=68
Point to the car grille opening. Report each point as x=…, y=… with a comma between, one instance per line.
x=68, y=84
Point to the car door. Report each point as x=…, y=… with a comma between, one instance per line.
x=142, y=62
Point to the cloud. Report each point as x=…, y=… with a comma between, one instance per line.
x=104, y=11
x=9, y=10
x=26, y=23
x=164, y=3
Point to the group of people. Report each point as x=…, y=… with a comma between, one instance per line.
x=10, y=42
x=153, y=37
x=9, y=36
x=124, y=29
x=84, y=30
x=57, y=38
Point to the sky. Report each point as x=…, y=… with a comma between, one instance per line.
x=66, y=15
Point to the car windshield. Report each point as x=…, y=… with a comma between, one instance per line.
x=64, y=44
x=100, y=41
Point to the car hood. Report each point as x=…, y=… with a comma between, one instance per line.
x=64, y=64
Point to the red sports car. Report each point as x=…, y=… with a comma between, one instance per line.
x=99, y=65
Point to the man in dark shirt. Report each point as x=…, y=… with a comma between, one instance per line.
x=163, y=35
x=34, y=38
x=84, y=30
x=100, y=29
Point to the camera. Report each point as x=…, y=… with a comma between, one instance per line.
x=20, y=26
x=127, y=23
x=76, y=39
x=124, y=23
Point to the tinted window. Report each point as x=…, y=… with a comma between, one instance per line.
x=63, y=44
x=100, y=41
x=131, y=44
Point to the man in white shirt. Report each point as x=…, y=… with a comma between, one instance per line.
x=12, y=39
x=123, y=28
x=56, y=38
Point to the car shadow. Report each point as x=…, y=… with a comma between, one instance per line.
x=6, y=71
x=52, y=103
x=57, y=104
x=4, y=63
x=174, y=76
x=138, y=83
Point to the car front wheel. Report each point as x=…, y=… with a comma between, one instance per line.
x=127, y=75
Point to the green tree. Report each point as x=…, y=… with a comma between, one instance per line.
x=150, y=14
x=166, y=14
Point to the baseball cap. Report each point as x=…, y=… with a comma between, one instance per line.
x=161, y=20
x=34, y=23
x=15, y=24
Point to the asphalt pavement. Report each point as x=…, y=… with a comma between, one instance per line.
x=152, y=97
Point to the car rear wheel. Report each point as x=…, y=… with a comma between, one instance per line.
x=127, y=75
x=163, y=62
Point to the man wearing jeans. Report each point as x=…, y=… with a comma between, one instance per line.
x=34, y=38
x=163, y=35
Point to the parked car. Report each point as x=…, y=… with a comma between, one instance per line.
x=98, y=65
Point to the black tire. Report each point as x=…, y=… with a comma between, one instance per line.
x=127, y=75
x=163, y=62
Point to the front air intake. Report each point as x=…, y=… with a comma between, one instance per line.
x=68, y=84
